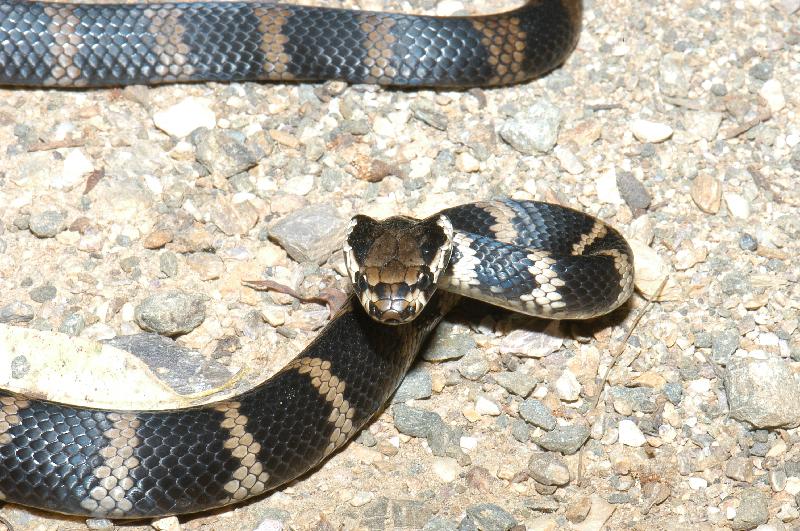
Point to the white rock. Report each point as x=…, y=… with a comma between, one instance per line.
x=170, y=523
x=76, y=166
x=568, y=387
x=630, y=434
x=606, y=188
x=446, y=468
x=569, y=161
x=361, y=498
x=447, y=8
x=484, y=406
x=696, y=483
x=300, y=185
x=182, y=118
x=468, y=443
x=647, y=131
x=467, y=163
x=738, y=206
x=772, y=92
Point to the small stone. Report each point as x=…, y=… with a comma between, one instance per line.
x=761, y=71
x=569, y=160
x=417, y=384
x=171, y=313
x=704, y=124
x=534, y=130
x=673, y=78
x=427, y=112
x=47, y=224
x=72, y=325
x=484, y=406
x=99, y=524
x=76, y=167
x=168, y=263
x=538, y=414
x=697, y=483
x=548, y=469
x=567, y=387
x=772, y=92
x=170, y=523
x=753, y=510
x=564, y=439
x=445, y=468
x=748, y=242
x=446, y=345
x=284, y=138
x=651, y=270
x=532, y=343
x=578, y=509
x=740, y=469
x=706, y=193
x=157, y=239
x=737, y=205
x=208, y=266
x=223, y=152
x=647, y=131
x=490, y=517
x=467, y=163
x=630, y=434
x=764, y=393
x=184, y=117
x=633, y=191
x=16, y=313
x=519, y=382
x=473, y=366
x=361, y=498
x=309, y=234
x=43, y=293
x=230, y=217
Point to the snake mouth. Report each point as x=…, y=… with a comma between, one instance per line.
x=394, y=304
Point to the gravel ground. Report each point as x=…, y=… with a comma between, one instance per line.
x=675, y=121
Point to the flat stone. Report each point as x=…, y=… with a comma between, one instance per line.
x=564, y=439
x=548, y=469
x=764, y=393
x=310, y=234
x=184, y=117
x=171, y=313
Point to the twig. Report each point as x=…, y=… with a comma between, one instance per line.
x=762, y=182
x=749, y=124
x=56, y=144
x=615, y=359
x=333, y=298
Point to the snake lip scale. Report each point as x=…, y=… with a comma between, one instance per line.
x=537, y=258
x=93, y=45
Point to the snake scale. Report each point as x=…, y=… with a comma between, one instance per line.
x=533, y=257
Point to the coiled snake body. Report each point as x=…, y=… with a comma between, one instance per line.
x=533, y=257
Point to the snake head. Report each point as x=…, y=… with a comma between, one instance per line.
x=394, y=264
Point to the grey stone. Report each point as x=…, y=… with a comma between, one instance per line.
x=416, y=384
x=548, y=469
x=310, y=234
x=168, y=263
x=702, y=339
x=519, y=382
x=673, y=77
x=416, y=422
x=739, y=469
x=724, y=344
x=491, y=517
x=171, y=313
x=520, y=430
x=638, y=398
x=43, y=293
x=473, y=366
x=16, y=313
x=633, y=191
x=223, y=152
x=542, y=505
x=184, y=370
x=761, y=71
x=20, y=366
x=753, y=510
x=538, y=414
x=747, y=242
x=73, y=324
x=764, y=393
x=533, y=130
x=564, y=439
x=438, y=523
x=47, y=224
x=445, y=345
x=427, y=112
x=674, y=392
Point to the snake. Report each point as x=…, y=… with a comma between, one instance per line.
x=538, y=258
x=94, y=45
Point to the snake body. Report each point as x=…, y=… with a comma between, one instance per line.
x=88, y=45
x=539, y=258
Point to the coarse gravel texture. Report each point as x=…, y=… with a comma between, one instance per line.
x=678, y=122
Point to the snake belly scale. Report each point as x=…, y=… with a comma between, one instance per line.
x=535, y=257
x=91, y=45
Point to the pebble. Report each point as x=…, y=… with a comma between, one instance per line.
x=473, y=366
x=427, y=112
x=761, y=71
x=651, y=269
x=168, y=263
x=564, y=439
x=704, y=124
x=578, y=509
x=537, y=414
x=706, y=192
x=772, y=92
x=548, y=469
x=519, y=382
x=630, y=434
x=16, y=313
x=747, y=242
x=171, y=313
x=569, y=161
x=73, y=324
x=416, y=385
x=467, y=163
x=445, y=468
x=673, y=79
x=531, y=343
x=697, y=483
x=737, y=205
x=440, y=524
x=47, y=224
x=170, y=523
x=223, y=152
x=43, y=293
x=484, y=406
x=309, y=234
x=764, y=393
x=753, y=510
x=232, y=218
x=648, y=131
x=533, y=130
x=633, y=191
x=184, y=117
x=157, y=239
x=208, y=266
x=567, y=387
x=446, y=345
x=491, y=517
x=76, y=167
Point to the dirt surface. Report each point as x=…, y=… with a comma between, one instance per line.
x=675, y=121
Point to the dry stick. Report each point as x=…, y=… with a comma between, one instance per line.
x=616, y=357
